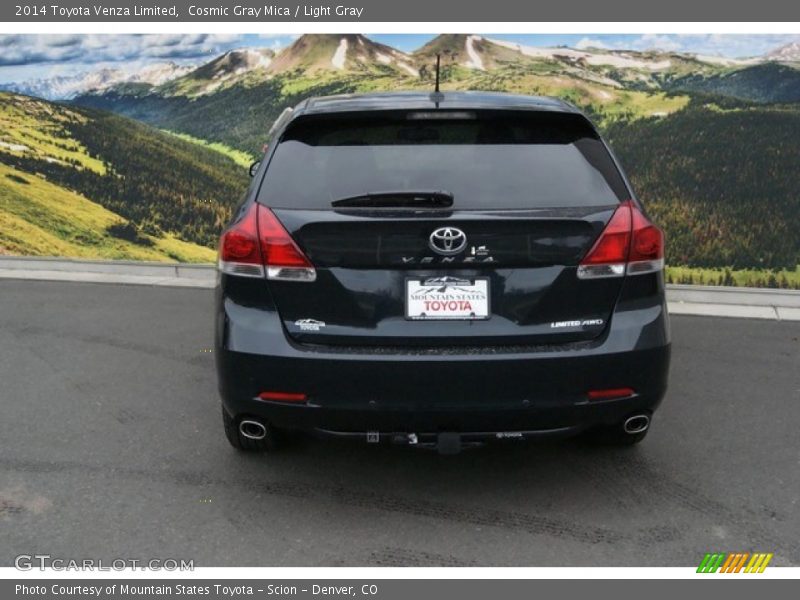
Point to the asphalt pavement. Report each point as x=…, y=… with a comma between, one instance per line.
x=111, y=446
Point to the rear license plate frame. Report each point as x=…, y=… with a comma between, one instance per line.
x=481, y=285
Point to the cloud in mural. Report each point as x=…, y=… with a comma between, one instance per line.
x=33, y=49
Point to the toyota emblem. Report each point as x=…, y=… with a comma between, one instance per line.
x=447, y=241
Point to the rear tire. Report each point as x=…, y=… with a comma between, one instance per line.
x=238, y=441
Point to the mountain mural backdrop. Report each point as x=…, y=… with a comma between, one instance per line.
x=711, y=144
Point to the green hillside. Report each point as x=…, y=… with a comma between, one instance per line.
x=767, y=83
x=240, y=116
x=237, y=108
x=106, y=186
x=704, y=166
x=715, y=178
x=722, y=182
x=710, y=144
x=39, y=218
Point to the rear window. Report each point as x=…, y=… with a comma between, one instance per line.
x=486, y=161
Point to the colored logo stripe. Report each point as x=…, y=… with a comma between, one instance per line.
x=758, y=563
x=710, y=563
x=734, y=562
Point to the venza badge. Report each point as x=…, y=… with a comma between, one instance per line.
x=447, y=241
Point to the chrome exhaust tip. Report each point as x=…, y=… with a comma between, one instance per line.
x=636, y=424
x=252, y=430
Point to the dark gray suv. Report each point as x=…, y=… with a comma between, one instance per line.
x=440, y=270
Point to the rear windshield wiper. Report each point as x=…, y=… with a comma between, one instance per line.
x=400, y=198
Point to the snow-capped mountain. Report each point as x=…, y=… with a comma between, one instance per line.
x=235, y=62
x=65, y=87
x=223, y=71
x=346, y=52
x=309, y=54
x=482, y=53
x=159, y=73
x=471, y=51
x=463, y=56
x=788, y=53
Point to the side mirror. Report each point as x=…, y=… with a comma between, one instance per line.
x=254, y=168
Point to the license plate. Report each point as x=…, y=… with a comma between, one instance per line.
x=442, y=298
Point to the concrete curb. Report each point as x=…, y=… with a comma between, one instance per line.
x=119, y=272
x=750, y=303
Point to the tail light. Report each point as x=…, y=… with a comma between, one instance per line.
x=259, y=245
x=629, y=244
x=283, y=396
x=610, y=393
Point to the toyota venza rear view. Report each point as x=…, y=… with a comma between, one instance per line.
x=439, y=271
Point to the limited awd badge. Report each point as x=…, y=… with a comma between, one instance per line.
x=583, y=323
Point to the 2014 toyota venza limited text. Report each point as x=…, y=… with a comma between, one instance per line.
x=439, y=270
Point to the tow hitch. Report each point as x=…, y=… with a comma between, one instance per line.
x=446, y=443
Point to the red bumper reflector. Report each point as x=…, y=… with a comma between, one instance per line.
x=610, y=393
x=283, y=396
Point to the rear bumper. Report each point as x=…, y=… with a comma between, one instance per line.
x=536, y=391
x=478, y=396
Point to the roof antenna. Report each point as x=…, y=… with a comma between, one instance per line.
x=437, y=96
